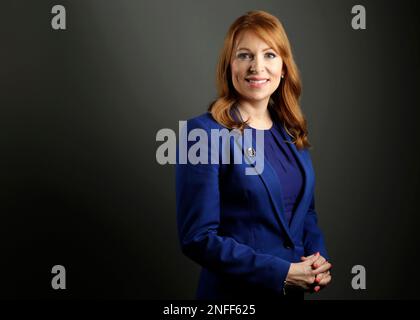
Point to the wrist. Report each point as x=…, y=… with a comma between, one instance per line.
x=291, y=273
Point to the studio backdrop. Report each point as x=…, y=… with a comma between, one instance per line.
x=85, y=91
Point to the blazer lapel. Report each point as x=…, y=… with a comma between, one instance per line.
x=268, y=177
x=273, y=185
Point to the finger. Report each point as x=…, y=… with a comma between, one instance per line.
x=309, y=279
x=319, y=277
x=310, y=256
x=325, y=267
x=319, y=262
x=306, y=258
x=323, y=275
x=326, y=280
x=311, y=259
x=321, y=269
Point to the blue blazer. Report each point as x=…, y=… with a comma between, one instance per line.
x=233, y=224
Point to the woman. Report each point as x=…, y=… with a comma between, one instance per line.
x=254, y=235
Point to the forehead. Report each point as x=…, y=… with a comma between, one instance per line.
x=249, y=39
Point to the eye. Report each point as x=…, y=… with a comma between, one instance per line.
x=244, y=56
x=271, y=55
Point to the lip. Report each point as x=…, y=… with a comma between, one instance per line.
x=256, y=78
x=256, y=84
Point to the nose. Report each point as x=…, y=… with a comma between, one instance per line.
x=257, y=64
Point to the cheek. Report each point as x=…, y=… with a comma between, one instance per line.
x=239, y=67
x=234, y=76
x=235, y=69
x=277, y=69
x=276, y=78
x=236, y=73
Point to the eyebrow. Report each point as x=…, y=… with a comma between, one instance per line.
x=250, y=50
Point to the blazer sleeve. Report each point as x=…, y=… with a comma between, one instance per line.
x=313, y=237
x=198, y=219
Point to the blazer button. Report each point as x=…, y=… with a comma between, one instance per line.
x=287, y=246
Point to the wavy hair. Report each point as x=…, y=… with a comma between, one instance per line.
x=285, y=100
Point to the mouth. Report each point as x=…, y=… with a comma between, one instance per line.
x=260, y=81
x=257, y=83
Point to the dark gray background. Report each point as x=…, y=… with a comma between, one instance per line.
x=80, y=109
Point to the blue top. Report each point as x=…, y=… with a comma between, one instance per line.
x=284, y=163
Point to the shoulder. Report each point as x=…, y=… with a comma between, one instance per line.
x=203, y=121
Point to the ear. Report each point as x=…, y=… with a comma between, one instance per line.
x=283, y=73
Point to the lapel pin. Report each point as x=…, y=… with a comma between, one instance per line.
x=251, y=152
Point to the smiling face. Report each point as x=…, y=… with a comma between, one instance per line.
x=256, y=68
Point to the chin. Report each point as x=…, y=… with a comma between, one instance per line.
x=258, y=97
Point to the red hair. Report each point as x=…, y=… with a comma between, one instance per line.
x=285, y=100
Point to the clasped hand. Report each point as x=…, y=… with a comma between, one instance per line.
x=312, y=274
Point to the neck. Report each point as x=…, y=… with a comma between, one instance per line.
x=257, y=114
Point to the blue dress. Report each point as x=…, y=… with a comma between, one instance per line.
x=280, y=156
